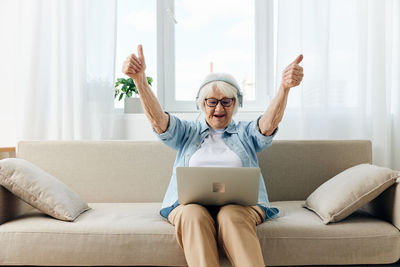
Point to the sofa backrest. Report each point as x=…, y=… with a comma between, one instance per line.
x=133, y=171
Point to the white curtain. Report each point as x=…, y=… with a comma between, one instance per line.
x=61, y=67
x=351, y=87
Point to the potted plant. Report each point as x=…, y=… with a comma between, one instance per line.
x=127, y=88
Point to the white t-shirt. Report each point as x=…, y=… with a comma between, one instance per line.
x=213, y=152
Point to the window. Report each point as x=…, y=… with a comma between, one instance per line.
x=236, y=36
x=182, y=38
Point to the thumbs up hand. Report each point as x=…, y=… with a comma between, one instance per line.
x=293, y=74
x=134, y=66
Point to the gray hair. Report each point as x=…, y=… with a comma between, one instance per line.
x=223, y=87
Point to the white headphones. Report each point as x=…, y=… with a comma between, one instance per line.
x=224, y=77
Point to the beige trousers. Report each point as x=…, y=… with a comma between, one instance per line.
x=196, y=225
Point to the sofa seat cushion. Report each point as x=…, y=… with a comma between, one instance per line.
x=299, y=237
x=135, y=234
x=107, y=234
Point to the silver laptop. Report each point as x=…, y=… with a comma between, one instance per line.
x=218, y=185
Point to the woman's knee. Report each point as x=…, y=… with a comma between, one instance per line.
x=194, y=213
x=232, y=214
x=237, y=214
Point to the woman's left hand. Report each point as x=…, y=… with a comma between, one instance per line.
x=293, y=74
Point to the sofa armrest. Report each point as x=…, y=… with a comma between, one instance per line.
x=387, y=205
x=11, y=206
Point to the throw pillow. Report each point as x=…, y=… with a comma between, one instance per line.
x=40, y=189
x=348, y=191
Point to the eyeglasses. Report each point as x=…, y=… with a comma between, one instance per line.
x=225, y=102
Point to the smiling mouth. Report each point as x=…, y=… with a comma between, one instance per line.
x=219, y=115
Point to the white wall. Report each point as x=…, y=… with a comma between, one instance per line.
x=126, y=126
x=136, y=127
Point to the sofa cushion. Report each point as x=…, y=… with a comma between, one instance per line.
x=135, y=234
x=349, y=190
x=299, y=237
x=40, y=189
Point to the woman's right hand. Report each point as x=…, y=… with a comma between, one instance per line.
x=134, y=66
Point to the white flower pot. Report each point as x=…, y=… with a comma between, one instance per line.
x=133, y=105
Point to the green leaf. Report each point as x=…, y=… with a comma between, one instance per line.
x=127, y=87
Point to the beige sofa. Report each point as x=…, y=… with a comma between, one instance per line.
x=125, y=181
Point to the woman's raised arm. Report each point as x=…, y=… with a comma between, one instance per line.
x=292, y=76
x=134, y=66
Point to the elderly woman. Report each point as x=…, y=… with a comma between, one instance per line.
x=217, y=141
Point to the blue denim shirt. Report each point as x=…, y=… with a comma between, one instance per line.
x=243, y=138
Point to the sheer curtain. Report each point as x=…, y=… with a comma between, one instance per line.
x=61, y=64
x=351, y=87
